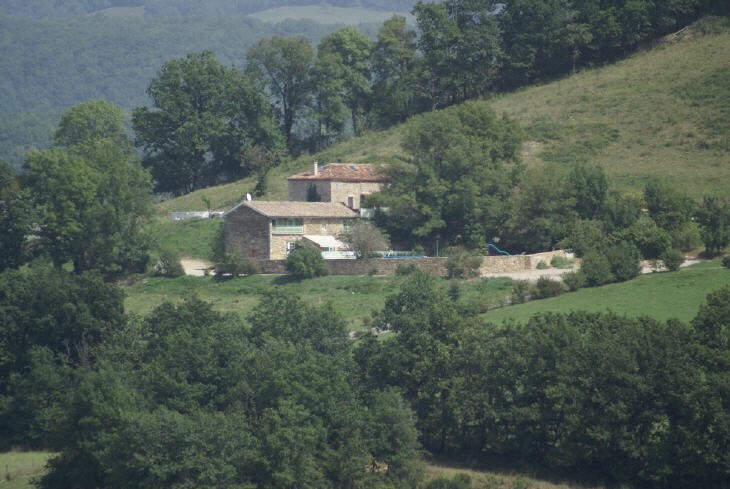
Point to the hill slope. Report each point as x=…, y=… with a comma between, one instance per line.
x=663, y=112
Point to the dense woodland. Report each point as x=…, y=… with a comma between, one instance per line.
x=459, y=50
x=188, y=397
x=38, y=9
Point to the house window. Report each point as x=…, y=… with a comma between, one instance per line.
x=323, y=227
x=346, y=225
x=290, y=246
x=287, y=226
x=350, y=201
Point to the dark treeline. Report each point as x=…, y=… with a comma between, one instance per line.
x=596, y=396
x=187, y=397
x=69, y=8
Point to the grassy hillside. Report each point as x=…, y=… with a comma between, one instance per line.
x=662, y=112
x=661, y=296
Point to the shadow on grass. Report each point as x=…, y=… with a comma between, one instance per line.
x=286, y=280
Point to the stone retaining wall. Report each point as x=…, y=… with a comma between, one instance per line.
x=437, y=266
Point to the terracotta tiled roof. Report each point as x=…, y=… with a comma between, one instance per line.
x=298, y=209
x=344, y=172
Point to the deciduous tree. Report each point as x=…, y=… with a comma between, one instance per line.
x=286, y=64
x=205, y=117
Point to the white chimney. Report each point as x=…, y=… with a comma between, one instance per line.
x=315, y=168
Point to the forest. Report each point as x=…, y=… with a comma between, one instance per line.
x=458, y=51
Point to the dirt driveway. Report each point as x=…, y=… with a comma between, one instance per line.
x=195, y=267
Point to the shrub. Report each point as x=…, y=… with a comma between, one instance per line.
x=542, y=266
x=547, y=287
x=596, y=269
x=520, y=289
x=403, y=270
x=726, y=261
x=462, y=263
x=305, y=261
x=586, y=236
x=573, y=280
x=651, y=240
x=672, y=259
x=624, y=260
x=687, y=238
x=168, y=264
x=233, y=266
x=559, y=261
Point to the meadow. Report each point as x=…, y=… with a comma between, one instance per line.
x=328, y=14
x=662, y=296
x=20, y=468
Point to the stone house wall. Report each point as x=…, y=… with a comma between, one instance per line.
x=299, y=190
x=333, y=191
x=247, y=233
x=314, y=226
x=437, y=266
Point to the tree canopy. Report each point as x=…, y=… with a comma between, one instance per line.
x=90, y=194
x=464, y=166
x=205, y=118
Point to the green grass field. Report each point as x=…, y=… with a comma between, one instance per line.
x=327, y=14
x=660, y=113
x=495, y=480
x=662, y=296
x=355, y=297
x=19, y=468
x=659, y=295
x=194, y=238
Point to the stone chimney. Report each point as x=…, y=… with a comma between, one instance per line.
x=315, y=168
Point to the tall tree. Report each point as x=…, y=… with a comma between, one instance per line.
x=713, y=217
x=92, y=196
x=205, y=118
x=464, y=164
x=16, y=220
x=286, y=63
x=344, y=56
x=459, y=40
x=395, y=82
x=92, y=121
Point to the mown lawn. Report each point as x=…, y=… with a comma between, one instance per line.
x=20, y=468
x=662, y=296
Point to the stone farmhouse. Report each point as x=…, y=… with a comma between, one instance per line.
x=263, y=230
x=322, y=204
x=337, y=182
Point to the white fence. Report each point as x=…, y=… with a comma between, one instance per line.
x=179, y=216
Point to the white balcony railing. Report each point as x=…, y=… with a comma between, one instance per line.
x=287, y=230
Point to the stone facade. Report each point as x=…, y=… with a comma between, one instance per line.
x=247, y=233
x=249, y=229
x=311, y=226
x=337, y=182
x=349, y=193
x=436, y=266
